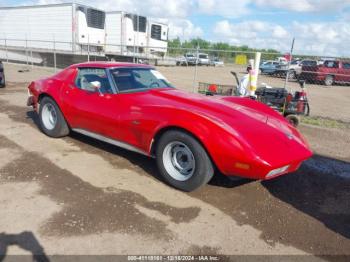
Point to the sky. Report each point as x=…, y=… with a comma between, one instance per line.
x=320, y=27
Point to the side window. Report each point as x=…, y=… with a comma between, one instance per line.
x=346, y=65
x=92, y=80
x=331, y=64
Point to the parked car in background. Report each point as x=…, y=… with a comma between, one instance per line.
x=332, y=71
x=296, y=66
x=133, y=106
x=2, y=75
x=191, y=59
x=269, y=67
x=181, y=61
x=217, y=62
x=294, y=69
x=203, y=59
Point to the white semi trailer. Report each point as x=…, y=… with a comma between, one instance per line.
x=68, y=28
x=128, y=34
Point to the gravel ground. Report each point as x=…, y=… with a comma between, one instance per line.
x=77, y=196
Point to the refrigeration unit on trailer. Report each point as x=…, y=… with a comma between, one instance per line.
x=126, y=33
x=71, y=26
x=158, y=38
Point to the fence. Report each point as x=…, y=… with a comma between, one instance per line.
x=194, y=66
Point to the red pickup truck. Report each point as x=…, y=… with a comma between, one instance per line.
x=332, y=71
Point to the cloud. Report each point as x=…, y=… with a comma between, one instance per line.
x=249, y=29
x=166, y=8
x=324, y=39
x=183, y=29
x=305, y=5
x=231, y=9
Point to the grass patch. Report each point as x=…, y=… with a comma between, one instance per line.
x=324, y=122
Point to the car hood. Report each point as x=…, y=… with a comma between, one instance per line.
x=256, y=126
x=216, y=107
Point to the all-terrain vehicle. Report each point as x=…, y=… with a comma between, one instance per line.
x=290, y=105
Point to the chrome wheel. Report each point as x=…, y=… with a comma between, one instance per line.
x=49, y=116
x=179, y=161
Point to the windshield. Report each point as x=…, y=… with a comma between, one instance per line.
x=309, y=63
x=132, y=79
x=203, y=56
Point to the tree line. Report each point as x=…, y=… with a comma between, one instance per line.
x=222, y=50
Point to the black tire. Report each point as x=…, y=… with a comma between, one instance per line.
x=203, y=171
x=293, y=119
x=60, y=128
x=292, y=75
x=3, y=85
x=329, y=80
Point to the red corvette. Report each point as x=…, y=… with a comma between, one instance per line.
x=135, y=107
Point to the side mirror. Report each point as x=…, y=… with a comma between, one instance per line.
x=96, y=84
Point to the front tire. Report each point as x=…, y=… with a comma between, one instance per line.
x=182, y=161
x=52, y=122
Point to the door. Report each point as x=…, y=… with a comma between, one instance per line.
x=345, y=72
x=92, y=103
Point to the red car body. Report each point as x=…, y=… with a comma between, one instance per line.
x=242, y=137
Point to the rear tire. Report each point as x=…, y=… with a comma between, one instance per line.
x=329, y=80
x=52, y=122
x=182, y=161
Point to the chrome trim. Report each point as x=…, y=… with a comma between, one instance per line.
x=110, y=141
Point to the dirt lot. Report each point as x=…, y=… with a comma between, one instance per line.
x=80, y=196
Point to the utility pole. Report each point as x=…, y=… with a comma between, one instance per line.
x=288, y=66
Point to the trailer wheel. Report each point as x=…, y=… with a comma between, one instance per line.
x=307, y=109
x=293, y=119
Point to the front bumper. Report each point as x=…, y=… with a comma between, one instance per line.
x=265, y=172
